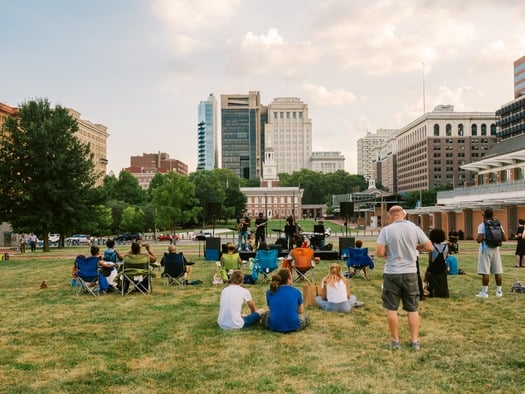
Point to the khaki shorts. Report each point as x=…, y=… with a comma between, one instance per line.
x=489, y=262
x=397, y=287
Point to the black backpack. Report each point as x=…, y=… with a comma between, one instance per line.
x=493, y=236
x=438, y=265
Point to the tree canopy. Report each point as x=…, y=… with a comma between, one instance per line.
x=46, y=174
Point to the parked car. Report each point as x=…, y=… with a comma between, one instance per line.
x=127, y=237
x=167, y=237
x=78, y=239
x=198, y=236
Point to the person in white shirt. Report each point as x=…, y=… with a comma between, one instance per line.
x=232, y=299
x=335, y=292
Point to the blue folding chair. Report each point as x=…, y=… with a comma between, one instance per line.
x=265, y=262
x=359, y=261
x=174, y=269
x=87, y=275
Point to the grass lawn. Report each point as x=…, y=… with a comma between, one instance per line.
x=55, y=342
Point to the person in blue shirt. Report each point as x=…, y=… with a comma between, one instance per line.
x=452, y=265
x=286, y=305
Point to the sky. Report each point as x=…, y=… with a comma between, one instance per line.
x=141, y=67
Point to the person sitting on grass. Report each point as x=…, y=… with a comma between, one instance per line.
x=232, y=299
x=286, y=305
x=335, y=292
x=230, y=261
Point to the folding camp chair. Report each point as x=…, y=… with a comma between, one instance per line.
x=87, y=275
x=174, y=269
x=265, y=262
x=359, y=261
x=303, y=264
x=135, y=274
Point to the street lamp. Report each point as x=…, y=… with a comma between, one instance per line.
x=266, y=215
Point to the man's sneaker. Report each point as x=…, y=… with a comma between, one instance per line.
x=482, y=294
x=499, y=293
x=395, y=345
x=415, y=346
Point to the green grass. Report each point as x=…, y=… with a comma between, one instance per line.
x=55, y=342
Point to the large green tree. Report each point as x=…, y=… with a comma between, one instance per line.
x=46, y=174
x=174, y=202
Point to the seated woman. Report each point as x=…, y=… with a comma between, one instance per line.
x=335, y=292
x=103, y=265
x=230, y=261
x=286, y=305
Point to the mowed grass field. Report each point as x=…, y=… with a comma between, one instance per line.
x=55, y=342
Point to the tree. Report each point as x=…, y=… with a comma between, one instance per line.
x=132, y=219
x=46, y=174
x=174, y=202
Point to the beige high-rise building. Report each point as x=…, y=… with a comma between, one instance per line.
x=367, y=151
x=289, y=133
x=96, y=137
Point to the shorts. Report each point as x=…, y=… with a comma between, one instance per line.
x=489, y=262
x=397, y=287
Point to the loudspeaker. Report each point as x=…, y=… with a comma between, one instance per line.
x=346, y=209
x=345, y=243
x=213, y=243
x=213, y=209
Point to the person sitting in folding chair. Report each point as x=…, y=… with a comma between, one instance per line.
x=265, y=262
x=358, y=260
x=87, y=272
x=177, y=269
x=301, y=262
x=230, y=261
x=136, y=270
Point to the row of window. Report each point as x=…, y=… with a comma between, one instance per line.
x=295, y=115
x=461, y=131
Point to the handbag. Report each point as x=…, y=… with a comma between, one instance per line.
x=310, y=291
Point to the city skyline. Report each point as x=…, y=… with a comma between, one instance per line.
x=141, y=68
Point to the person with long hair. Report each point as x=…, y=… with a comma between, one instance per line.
x=335, y=292
x=286, y=305
x=436, y=272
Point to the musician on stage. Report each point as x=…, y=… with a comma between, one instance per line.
x=243, y=226
x=291, y=230
x=260, y=230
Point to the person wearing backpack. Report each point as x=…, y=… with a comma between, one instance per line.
x=436, y=273
x=520, y=247
x=490, y=236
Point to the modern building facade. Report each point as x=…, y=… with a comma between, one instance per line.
x=208, y=135
x=519, y=77
x=432, y=149
x=289, y=132
x=242, y=133
x=386, y=165
x=367, y=154
x=327, y=162
x=511, y=118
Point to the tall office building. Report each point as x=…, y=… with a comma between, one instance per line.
x=289, y=131
x=519, y=77
x=242, y=138
x=208, y=141
x=367, y=153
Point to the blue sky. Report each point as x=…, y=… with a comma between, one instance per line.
x=141, y=67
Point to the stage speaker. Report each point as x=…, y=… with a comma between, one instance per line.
x=346, y=209
x=213, y=243
x=345, y=243
x=213, y=209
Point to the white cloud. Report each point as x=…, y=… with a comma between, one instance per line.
x=192, y=15
x=268, y=54
x=321, y=96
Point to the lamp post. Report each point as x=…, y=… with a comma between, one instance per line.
x=266, y=215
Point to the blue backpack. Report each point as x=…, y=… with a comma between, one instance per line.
x=110, y=255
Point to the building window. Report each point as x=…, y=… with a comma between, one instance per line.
x=275, y=115
x=288, y=115
x=294, y=115
x=493, y=129
x=460, y=130
x=281, y=115
x=448, y=129
x=436, y=130
x=483, y=129
x=474, y=130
